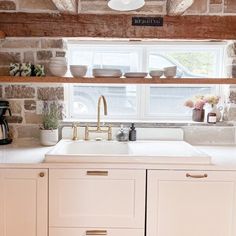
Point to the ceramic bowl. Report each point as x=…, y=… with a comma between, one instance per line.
x=156, y=73
x=78, y=71
x=170, y=72
x=113, y=73
x=58, y=70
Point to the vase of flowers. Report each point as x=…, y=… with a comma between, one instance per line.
x=197, y=104
x=51, y=115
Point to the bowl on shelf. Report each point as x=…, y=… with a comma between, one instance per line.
x=135, y=74
x=58, y=70
x=112, y=73
x=156, y=73
x=58, y=66
x=78, y=70
x=170, y=72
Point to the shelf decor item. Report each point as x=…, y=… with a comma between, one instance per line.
x=58, y=66
x=51, y=115
x=215, y=114
x=39, y=70
x=25, y=69
x=198, y=115
x=15, y=69
x=198, y=103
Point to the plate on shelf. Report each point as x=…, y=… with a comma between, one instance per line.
x=108, y=73
x=135, y=74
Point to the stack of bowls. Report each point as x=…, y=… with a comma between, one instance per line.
x=58, y=66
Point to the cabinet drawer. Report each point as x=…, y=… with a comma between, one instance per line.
x=95, y=232
x=97, y=198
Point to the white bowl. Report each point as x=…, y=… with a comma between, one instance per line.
x=107, y=73
x=135, y=74
x=78, y=71
x=170, y=71
x=156, y=73
x=58, y=70
x=57, y=64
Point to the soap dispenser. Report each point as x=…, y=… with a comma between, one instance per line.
x=132, y=133
x=122, y=134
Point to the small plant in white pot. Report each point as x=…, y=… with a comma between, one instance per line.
x=51, y=115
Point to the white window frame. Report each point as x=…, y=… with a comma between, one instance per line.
x=143, y=91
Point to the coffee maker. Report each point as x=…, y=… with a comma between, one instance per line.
x=4, y=128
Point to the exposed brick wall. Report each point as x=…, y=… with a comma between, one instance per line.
x=33, y=50
x=25, y=103
x=25, y=100
x=230, y=63
x=200, y=7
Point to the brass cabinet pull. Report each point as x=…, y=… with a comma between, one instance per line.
x=196, y=176
x=96, y=232
x=97, y=173
x=41, y=174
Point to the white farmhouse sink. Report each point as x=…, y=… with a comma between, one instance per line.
x=126, y=152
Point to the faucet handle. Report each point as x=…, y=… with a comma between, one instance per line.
x=109, y=132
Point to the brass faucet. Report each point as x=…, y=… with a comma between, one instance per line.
x=99, y=129
x=75, y=135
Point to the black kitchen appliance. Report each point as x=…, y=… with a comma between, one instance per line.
x=4, y=128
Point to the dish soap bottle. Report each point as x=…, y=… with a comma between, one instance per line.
x=132, y=133
x=122, y=134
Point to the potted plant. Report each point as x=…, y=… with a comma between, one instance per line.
x=51, y=115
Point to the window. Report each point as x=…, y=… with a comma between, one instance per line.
x=143, y=102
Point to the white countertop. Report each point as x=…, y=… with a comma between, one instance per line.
x=28, y=153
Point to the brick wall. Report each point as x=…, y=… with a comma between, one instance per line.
x=200, y=7
x=25, y=100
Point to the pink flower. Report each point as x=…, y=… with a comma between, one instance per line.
x=199, y=104
x=189, y=103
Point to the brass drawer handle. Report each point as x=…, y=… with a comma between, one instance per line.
x=97, y=173
x=96, y=232
x=196, y=176
x=41, y=174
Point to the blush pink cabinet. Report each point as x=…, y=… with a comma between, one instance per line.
x=183, y=203
x=23, y=202
x=97, y=199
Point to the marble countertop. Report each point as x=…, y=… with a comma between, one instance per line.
x=28, y=153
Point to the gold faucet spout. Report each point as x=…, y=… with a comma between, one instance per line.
x=101, y=98
x=99, y=129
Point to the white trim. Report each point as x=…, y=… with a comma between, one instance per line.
x=143, y=49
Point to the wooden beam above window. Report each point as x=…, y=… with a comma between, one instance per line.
x=116, y=26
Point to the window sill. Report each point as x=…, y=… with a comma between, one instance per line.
x=149, y=124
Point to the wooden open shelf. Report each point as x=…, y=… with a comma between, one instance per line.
x=52, y=79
